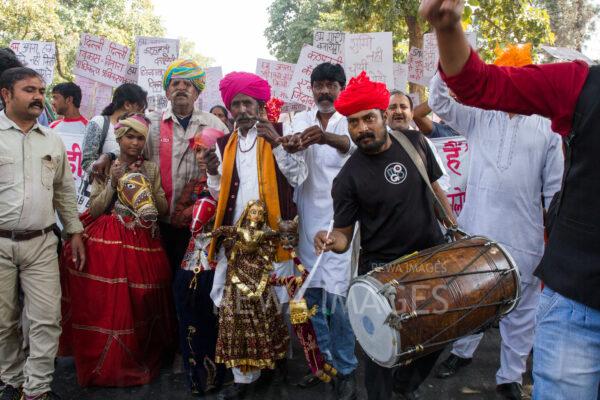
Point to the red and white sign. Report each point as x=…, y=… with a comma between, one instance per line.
x=101, y=60
x=454, y=152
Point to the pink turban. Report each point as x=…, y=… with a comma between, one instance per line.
x=246, y=83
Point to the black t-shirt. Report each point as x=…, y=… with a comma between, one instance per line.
x=388, y=196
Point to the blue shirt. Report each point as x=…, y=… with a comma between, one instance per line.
x=441, y=131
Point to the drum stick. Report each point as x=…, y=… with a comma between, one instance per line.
x=300, y=293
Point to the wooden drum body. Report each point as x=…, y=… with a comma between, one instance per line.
x=421, y=302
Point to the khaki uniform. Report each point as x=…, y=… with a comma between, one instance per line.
x=35, y=181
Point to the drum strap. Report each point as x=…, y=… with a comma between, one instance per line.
x=418, y=161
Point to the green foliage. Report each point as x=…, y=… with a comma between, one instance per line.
x=498, y=22
x=187, y=49
x=62, y=22
x=572, y=21
x=292, y=23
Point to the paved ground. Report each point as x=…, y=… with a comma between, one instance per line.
x=475, y=382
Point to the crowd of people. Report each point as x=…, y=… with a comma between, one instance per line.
x=182, y=253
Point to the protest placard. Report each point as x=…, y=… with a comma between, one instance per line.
x=278, y=74
x=144, y=40
x=132, y=74
x=371, y=52
x=431, y=55
x=416, y=67
x=299, y=89
x=39, y=56
x=74, y=145
x=454, y=152
x=154, y=58
x=101, y=60
x=330, y=41
x=94, y=96
x=400, y=77
x=211, y=95
x=566, y=54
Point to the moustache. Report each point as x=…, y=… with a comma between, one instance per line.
x=326, y=97
x=366, y=135
x=36, y=103
x=245, y=117
x=183, y=94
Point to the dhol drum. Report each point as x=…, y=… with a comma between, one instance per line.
x=421, y=302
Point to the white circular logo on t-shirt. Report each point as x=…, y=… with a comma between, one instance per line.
x=395, y=173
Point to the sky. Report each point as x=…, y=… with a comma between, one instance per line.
x=232, y=32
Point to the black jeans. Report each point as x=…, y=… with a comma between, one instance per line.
x=380, y=382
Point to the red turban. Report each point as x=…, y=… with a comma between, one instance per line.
x=246, y=83
x=362, y=94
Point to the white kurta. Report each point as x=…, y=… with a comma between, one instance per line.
x=247, y=167
x=513, y=163
x=311, y=172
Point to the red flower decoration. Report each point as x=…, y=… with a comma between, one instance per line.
x=273, y=107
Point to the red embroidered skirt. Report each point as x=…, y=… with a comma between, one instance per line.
x=121, y=320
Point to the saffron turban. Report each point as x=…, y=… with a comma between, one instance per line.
x=137, y=122
x=246, y=83
x=185, y=69
x=513, y=55
x=362, y=94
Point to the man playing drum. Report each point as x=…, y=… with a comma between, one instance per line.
x=381, y=187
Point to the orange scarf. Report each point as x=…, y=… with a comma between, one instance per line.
x=267, y=187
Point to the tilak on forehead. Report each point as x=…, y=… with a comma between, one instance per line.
x=362, y=94
x=246, y=83
x=185, y=69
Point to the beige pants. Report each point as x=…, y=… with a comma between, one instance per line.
x=32, y=265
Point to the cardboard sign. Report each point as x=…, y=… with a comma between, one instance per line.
x=211, y=96
x=299, y=89
x=132, y=74
x=416, y=67
x=330, y=41
x=400, y=76
x=94, y=96
x=144, y=40
x=74, y=145
x=154, y=58
x=370, y=52
x=431, y=54
x=39, y=56
x=278, y=74
x=454, y=152
x=101, y=60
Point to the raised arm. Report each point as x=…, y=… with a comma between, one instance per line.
x=420, y=116
x=458, y=116
x=549, y=90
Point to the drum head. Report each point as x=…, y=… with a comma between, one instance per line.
x=368, y=311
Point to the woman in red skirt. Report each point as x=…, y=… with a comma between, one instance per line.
x=122, y=322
